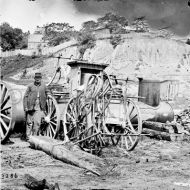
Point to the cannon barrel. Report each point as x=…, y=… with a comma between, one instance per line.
x=12, y=112
x=13, y=115
x=162, y=113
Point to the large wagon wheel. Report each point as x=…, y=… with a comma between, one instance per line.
x=7, y=122
x=52, y=119
x=91, y=139
x=72, y=125
x=79, y=126
x=131, y=127
x=91, y=136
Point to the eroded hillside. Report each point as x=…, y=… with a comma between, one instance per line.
x=136, y=56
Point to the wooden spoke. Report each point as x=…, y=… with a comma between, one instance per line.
x=3, y=91
x=128, y=129
x=50, y=106
x=50, y=132
x=52, y=129
x=133, y=117
x=131, y=111
x=70, y=119
x=4, y=109
x=4, y=124
x=53, y=117
x=126, y=143
x=7, y=117
x=133, y=124
x=5, y=102
x=130, y=138
x=1, y=133
x=68, y=114
x=6, y=113
x=132, y=128
x=53, y=123
x=53, y=113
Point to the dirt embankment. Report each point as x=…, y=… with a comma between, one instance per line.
x=139, y=56
x=150, y=57
x=17, y=64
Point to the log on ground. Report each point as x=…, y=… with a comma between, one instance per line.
x=69, y=153
x=157, y=134
x=156, y=126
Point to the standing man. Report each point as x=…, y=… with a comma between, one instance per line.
x=35, y=105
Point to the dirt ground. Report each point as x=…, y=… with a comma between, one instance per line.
x=152, y=165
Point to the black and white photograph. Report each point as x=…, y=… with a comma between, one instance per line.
x=95, y=94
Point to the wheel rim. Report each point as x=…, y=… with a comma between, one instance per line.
x=52, y=118
x=92, y=87
x=78, y=126
x=132, y=127
x=106, y=91
x=7, y=122
x=71, y=129
x=75, y=119
x=92, y=144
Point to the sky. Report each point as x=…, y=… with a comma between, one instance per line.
x=26, y=14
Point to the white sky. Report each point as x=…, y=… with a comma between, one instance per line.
x=27, y=14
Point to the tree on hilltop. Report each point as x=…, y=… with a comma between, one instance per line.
x=57, y=33
x=89, y=26
x=114, y=22
x=12, y=38
x=141, y=24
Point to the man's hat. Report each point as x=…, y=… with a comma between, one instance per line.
x=38, y=75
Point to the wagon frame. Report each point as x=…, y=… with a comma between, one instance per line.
x=94, y=112
x=86, y=119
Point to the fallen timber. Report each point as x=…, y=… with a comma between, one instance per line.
x=169, y=131
x=69, y=153
x=156, y=126
x=157, y=134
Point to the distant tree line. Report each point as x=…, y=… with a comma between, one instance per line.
x=57, y=33
x=12, y=38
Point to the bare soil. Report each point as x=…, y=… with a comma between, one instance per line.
x=152, y=165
